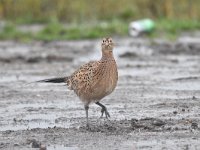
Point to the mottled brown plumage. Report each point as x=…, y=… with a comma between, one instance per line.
x=94, y=80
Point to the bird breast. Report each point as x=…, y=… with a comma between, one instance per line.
x=111, y=76
x=107, y=81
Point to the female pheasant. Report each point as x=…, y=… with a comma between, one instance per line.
x=94, y=80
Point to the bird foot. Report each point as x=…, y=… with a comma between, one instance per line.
x=104, y=110
x=87, y=127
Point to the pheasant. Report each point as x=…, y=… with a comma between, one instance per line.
x=94, y=80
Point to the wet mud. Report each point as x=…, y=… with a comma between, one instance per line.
x=155, y=105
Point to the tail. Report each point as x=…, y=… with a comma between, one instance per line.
x=55, y=80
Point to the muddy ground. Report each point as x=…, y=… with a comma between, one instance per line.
x=156, y=104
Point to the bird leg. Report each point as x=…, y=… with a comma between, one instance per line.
x=103, y=110
x=86, y=111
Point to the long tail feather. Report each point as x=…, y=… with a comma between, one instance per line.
x=54, y=80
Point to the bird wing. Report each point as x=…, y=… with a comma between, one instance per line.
x=82, y=79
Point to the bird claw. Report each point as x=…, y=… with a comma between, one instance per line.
x=87, y=126
x=106, y=113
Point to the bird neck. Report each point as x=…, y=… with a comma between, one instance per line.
x=107, y=55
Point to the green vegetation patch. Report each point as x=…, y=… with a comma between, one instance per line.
x=59, y=31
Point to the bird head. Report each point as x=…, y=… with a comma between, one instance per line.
x=107, y=44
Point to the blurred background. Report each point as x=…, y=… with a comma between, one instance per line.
x=65, y=19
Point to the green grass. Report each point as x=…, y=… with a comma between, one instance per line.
x=57, y=31
x=9, y=31
x=176, y=26
x=172, y=28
